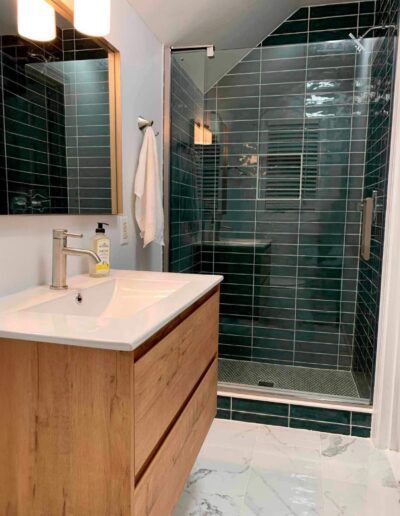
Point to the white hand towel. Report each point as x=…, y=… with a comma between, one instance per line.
x=148, y=203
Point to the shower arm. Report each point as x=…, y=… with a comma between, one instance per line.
x=376, y=27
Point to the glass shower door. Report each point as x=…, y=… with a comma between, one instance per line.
x=268, y=161
x=187, y=133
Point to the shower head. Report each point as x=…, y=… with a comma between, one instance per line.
x=357, y=42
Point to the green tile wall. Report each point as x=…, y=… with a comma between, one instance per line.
x=288, y=248
x=291, y=415
x=376, y=178
x=32, y=153
x=54, y=108
x=87, y=120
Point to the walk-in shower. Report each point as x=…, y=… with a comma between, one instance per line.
x=277, y=177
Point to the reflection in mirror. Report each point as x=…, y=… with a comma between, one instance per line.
x=56, y=124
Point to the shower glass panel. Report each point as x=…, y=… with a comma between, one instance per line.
x=281, y=213
x=271, y=197
x=187, y=134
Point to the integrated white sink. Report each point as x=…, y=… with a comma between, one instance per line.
x=118, y=312
x=119, y=298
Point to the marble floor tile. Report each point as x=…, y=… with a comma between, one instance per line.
x=246, y=469
x=271, y=436
x=211, y=504
x=355, y=460
x=348, y=499
x=221, y=470
x=283, y=493
x=288, y=444
x=232, y=434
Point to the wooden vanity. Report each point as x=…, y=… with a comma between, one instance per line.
x=98, y=432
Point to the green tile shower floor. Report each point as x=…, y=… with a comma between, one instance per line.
x=301, y=379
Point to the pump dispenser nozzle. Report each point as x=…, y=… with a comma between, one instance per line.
x=100, y=227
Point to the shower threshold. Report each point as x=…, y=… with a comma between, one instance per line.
x=309, y=382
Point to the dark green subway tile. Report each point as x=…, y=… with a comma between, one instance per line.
x=360, y=431
x=329, y=11
x=328, y=35
x=235, y=329
x=319, y=426
x=300, y=14
x=291, y=27
x=273, y=355
x=285, y=39
x=367, y=6
x=233, y=340
x=315, y=359
x=320, y=414
x=272, y=344
x=260, y=419
x=241, y=352
x=223, y=414
x=366, y=20
x=333, y=23
x=361, y=419
x=260, y=407
x=224, y=402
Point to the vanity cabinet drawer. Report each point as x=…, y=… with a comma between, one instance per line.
x=166, y=375
x=161, y=485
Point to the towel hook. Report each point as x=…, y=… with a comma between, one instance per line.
x=143, y=123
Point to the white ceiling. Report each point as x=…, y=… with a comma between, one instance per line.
x=226, y=23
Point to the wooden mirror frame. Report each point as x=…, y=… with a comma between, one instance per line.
x=114, y=77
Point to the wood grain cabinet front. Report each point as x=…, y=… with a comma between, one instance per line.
x=167, y=374
x=161, y=485
x=98, y=432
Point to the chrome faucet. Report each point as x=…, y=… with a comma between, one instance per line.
x=60, y=253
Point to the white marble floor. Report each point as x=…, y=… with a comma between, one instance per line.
x=245, y=469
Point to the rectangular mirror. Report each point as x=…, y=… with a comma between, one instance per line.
x=59, y=121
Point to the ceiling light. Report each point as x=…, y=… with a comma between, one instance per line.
x=92, y=17
x=36, y=20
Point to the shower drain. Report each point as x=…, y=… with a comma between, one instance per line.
x=265, y=384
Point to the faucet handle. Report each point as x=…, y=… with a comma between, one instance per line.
x=74, y=235
x=60, y=234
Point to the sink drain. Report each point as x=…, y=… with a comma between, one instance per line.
x=79, y=299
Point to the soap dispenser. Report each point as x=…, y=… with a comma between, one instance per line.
x=100, y=244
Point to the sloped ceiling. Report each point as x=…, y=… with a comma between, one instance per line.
x=234, y=25
x=228, y=24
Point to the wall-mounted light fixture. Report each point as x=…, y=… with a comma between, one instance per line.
x=202, y=134
x=92, y=17
x=36, y=20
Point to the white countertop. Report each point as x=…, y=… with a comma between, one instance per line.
x=119, y=312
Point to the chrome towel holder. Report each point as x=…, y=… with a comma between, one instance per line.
x=143, y=123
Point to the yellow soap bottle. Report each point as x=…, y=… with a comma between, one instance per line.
x=101, y=245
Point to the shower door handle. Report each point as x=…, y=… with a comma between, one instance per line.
x=366, y=229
